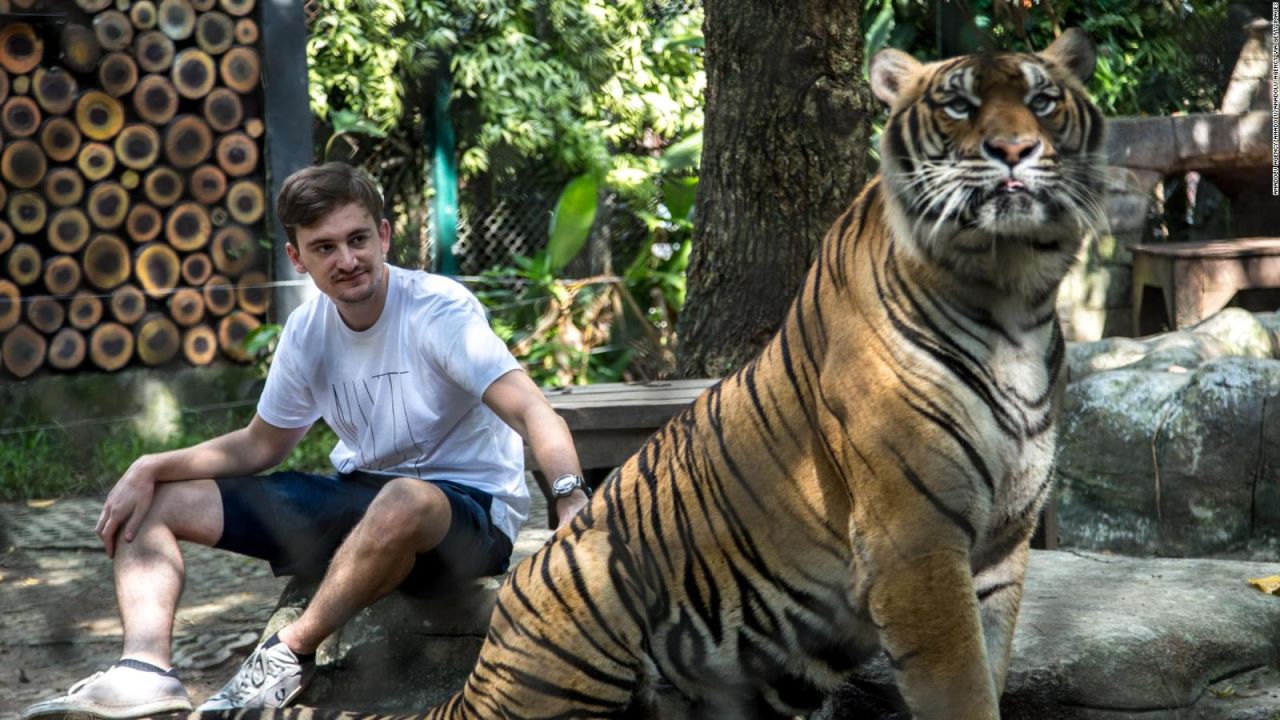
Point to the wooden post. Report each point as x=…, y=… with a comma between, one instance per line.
x=128, y=304
x=223, y=110
x=27, y=212
x=188, y=228
x=253, y=293
x=207, y=184
x=162, y=186
x=199, y=345
x=158, y=339
x=96, y=161
x=98, y=115
x=45, y=314
x=232, y=331
x=143, y=14
x=215, y=33
x=67, y=349
x=233, y=250
x=21, y=49
x=80, y=49
x=114, y=30
x=153, y=51
x=246, y=202
x=20, y=117
x=6, y=237
x=118, y=74
x=219, y=295
x=108, y=204
x=68, y=230
x=177, y=19
x=24, y=350
x=193, y=73
x=61, y=275
x=157, y=269
x=196, y=269
x=63, y=187
x=55, y=89
x=111, y=346
x=143, y=223
x=138, y=146
x=155, y=99
x=186, y=306
x=240, y=69
x=187, y=141
x=85, y=310
x=107, y=264
x=60, y=138
x=239, y=8
x=10, y=305
x=237, y=154
x=23, y=163
x=246, y=31
x=24, y=264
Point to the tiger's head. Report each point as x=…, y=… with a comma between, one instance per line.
x=994, y=161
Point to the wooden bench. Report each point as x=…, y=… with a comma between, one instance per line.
x=1198, y=279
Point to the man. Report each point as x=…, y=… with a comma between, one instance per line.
x=427, y=403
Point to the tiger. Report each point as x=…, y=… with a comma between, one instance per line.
x=872, y=479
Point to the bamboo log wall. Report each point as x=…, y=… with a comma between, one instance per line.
x=132, y=196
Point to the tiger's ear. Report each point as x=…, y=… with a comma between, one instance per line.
x=1074, y=51
x=891, y=70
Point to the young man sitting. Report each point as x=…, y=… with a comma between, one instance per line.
x=429, y=408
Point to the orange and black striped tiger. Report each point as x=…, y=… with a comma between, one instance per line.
x=871, y=480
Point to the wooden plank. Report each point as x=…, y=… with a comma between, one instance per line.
x=1240, y=247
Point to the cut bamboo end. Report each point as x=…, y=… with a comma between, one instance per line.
x=187, y=141
x=130, y=179
x=203, y=5
x=24, y=264
x=253, y=293
x=111, y=346
x=10, y=305
x=20, y=117
x=63, y=187
x=215, y=32
x=155, y=99
x=128, y=304
x=157, y=269
x=246, y=201
x=239, y=8
x=246, y=31
x=138, y=146
x=118, y=74
x=240, y=69
x=177, y=19
x=67, y=349
x=84, y=311
x=27, y=212
x=24, y=351
x=186, y=306
x=233, y=250
x=21, y=84
x=188, y=228
x=61, y=275
x=153, y=51
x=80, y=49
x=143, y=223
x=254, y=128
x=237, y=154
x=6, y=237
x=114, y=30
x=98, y=115
x=96, y=161
x=60, y=139
x=21, y=49
x=68, y=230
x=158, y=339
x=93, y=6
x=193, y=73
x=219, y=295
x=23, y=163
x=219, y=217
x=45, y=314
x=162, y=185
x=4, y=85
x=199, y=345
x=233, y=330
x=196, y=269
x=223, y=110
x=143, y=15
x=108, y=204
x=55, y=89
x=107, y=264
x=207, y=184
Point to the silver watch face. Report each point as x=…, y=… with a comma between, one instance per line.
x=564, y=485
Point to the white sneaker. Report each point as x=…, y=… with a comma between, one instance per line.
x=123, y=691
x=271, y=677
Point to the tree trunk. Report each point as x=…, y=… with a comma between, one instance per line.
x=788, y=118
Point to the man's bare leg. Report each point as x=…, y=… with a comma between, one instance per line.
x=407, y=517
x=149, y=570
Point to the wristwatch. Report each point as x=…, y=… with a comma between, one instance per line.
x=566, y=484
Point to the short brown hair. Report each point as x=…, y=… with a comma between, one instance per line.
x=311, y=193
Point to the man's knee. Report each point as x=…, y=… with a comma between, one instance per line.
x=408, y=512
x=191, y=509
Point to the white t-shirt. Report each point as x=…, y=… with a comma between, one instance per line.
x=404, y=395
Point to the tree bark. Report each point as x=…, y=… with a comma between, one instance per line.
x=788, y=118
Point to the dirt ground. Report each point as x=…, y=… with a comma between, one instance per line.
x=58, y=618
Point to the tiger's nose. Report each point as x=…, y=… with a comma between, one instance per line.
x=1010, y=152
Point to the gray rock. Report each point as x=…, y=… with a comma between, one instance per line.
x=1114, y=638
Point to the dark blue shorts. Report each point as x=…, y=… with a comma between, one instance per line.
x=296, y=521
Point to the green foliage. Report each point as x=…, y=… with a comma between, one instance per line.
x=571, y=221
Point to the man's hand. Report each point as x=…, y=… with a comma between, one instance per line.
x=568, y=506
x=126, y=505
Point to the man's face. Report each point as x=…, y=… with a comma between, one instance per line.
x=344, y=253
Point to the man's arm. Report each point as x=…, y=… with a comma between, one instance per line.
x=246, y=451
x=520, y=404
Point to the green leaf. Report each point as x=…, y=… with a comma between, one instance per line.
x=683, y=155
x=345, y=121
x=571, y=222
x=678, y=195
